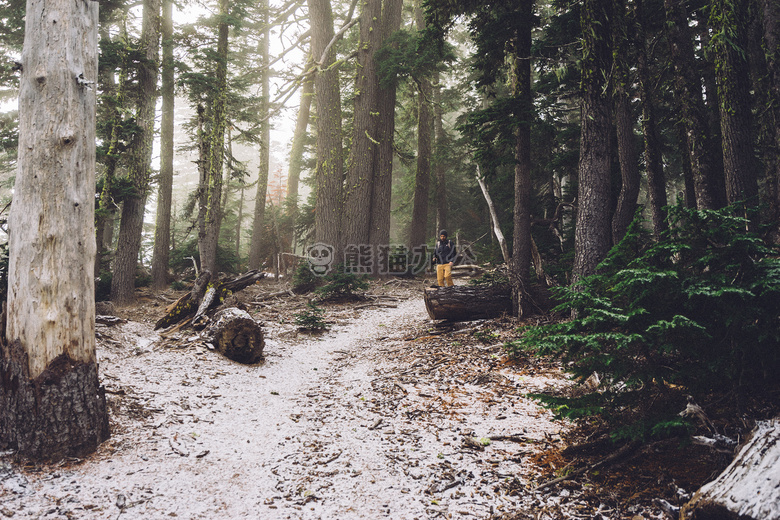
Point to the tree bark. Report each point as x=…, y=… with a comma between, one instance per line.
x=467, y=303
x=255, y=254
x=131, y=225
x=51, y=402
x=330, y=167
x=729, y=19
x=162, y=230
x=592, y=235
x=747, y=489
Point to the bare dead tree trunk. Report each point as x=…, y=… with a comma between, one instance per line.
x=494, y=218
x=51, y=402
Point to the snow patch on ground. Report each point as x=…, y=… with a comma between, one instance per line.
x=324, y=428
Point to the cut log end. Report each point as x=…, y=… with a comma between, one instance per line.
x=237, y=336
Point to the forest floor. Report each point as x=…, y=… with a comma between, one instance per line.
x=386, y=415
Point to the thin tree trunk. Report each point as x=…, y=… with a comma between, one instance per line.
x=689, y=185
x=255, y=254
x=439, y=169
x=104, y=218
x=522, y=248
x=51, y=402
x=771, y=25
x=131, y=225
x=330, y=167
x=240, y=219
x=656, y=183
x=624, y=126
x=418, y=227
x=296, y=149
x=592, y=234
x=689, y=94
x=162, y=231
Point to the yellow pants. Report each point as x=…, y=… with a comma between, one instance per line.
x=444, y=274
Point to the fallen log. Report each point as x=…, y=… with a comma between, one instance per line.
x=236, y=336
x=205, y=296
x=748, y=488
x=467, y=303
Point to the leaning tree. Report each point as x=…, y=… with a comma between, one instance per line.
x=51, y=403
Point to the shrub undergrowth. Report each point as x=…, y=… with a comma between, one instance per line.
x=341, y=284
x=696, y=312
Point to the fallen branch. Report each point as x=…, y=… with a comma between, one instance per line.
x=204, y=297
x=509, y=438
x=631, y=446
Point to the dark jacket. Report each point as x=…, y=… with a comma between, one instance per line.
x=444, y=252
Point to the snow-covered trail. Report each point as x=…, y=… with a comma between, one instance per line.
x=304, y=435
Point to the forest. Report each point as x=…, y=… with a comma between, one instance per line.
x=614, y=165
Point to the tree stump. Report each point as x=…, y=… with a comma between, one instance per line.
x=237, y=336
x=466, y=303
x=749, y=489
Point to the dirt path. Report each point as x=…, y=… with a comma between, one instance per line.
x=359, y=423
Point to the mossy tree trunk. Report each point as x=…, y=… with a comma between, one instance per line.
x=51, y=404
x=113, y=99
x=364, y=146
x=211, y=190
x=439, y=169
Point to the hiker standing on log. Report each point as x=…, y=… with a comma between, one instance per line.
x=444, y=256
